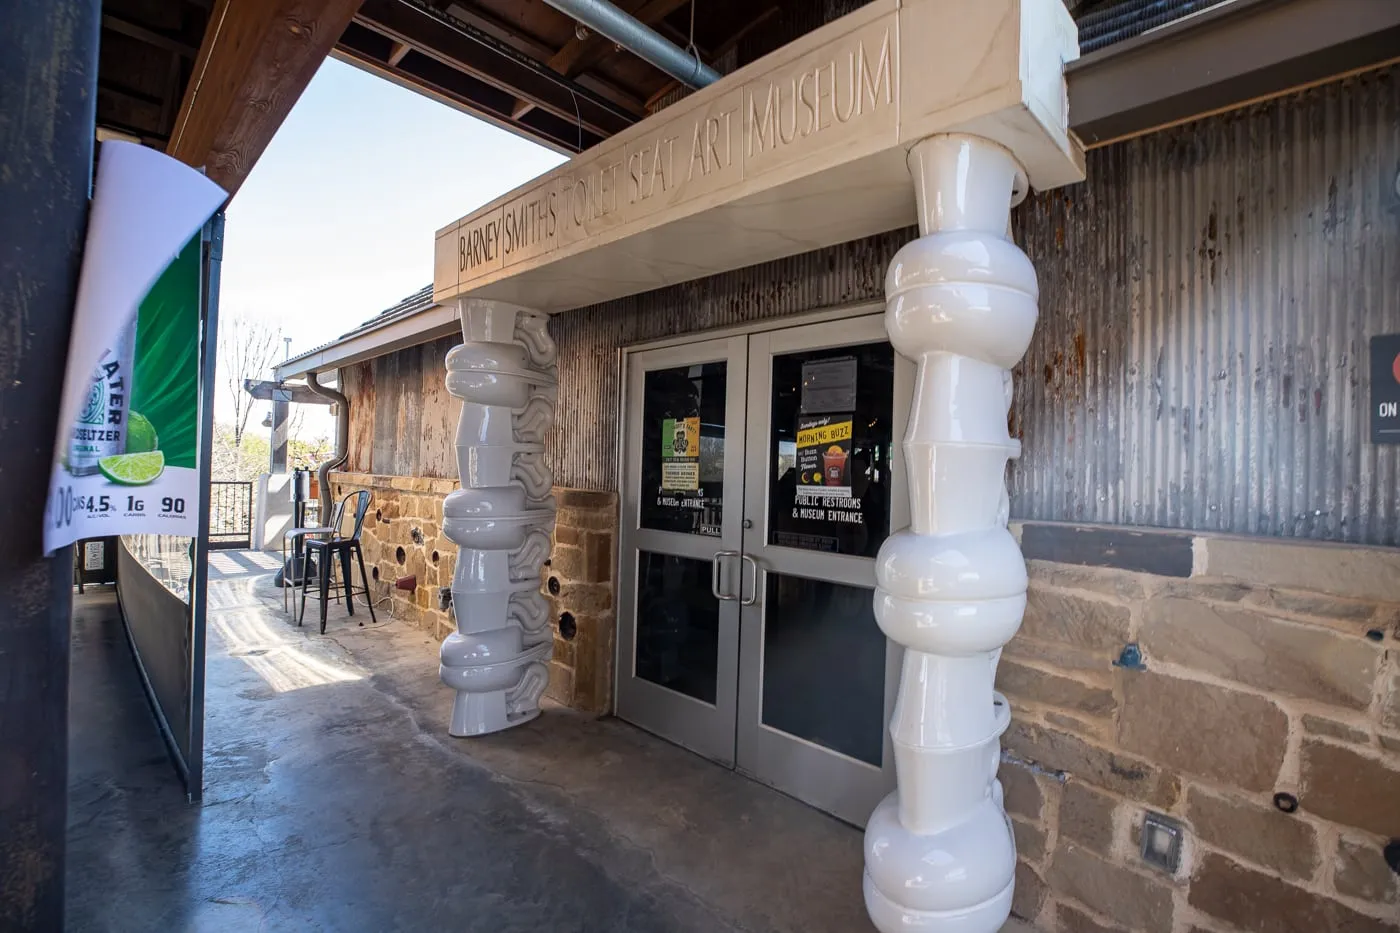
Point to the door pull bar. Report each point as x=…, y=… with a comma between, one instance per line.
x=753, y=594
x=714, y=575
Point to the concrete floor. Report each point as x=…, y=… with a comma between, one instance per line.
x=334, y=800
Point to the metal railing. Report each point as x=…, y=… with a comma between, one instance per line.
x=230, y=514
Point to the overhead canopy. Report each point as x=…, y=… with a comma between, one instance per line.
x=801, y=149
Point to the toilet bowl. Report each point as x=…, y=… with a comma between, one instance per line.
x=497, y=660
x=492, y=697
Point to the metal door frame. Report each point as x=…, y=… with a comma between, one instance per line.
x=843, y=786
x=799, y=768
x=705, y=729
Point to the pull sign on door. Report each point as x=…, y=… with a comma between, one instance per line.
x=1385, y=389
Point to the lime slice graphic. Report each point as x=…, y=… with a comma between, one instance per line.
x=140, y=434
x=133, y=469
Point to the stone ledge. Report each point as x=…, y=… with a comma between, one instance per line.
x=1358, y=571
x=1161, y=553
x=585, y=499
x=430, y=484
x=1361, y=571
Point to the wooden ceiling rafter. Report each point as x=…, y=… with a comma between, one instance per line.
x=113, y=86
x=156, y=38
x=719, y=52
x=538, y=50
x=581, y=53
x=369, y=50
x=454, y=43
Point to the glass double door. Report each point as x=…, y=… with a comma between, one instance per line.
x=761, y=474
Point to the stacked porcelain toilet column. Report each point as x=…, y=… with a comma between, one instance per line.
x=505, y=374
x=961, y=301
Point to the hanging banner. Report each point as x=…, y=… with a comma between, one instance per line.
x=680, y=454
x=125, y=457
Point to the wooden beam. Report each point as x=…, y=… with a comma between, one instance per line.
x=148, y=36
x=273, y=391
x=489, y=23
x=256, y=59
x=719, y=51
x=578, y=55
x=459, y=90
x=399, y=51
x=114, y=86
x=171, y=98
x=459, y=45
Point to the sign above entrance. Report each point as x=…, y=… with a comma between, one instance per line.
x=802, y=149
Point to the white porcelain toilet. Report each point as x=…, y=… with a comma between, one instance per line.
x=498, y=659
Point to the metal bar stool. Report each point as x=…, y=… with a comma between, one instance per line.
x=295, y=571
x=335, y=546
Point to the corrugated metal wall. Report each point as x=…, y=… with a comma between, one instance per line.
x=402, y=421
x=1205, y=302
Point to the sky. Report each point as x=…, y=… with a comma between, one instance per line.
x=335, y=222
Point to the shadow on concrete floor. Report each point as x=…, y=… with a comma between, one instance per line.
x=335, y=800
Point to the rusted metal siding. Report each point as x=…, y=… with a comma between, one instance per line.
x=357, y=385
x=437, y=455
x=1206, y=300
x=402, y=421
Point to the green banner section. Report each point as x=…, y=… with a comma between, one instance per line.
x=165, y=396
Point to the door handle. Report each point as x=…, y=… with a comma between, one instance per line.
x=753, y=594
x=714, y=574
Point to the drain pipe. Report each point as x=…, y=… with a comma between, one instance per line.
x=342, y=441
x=607, y=20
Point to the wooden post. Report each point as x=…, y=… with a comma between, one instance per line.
x=48, y=81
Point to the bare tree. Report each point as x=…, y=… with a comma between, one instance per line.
x=247, y=349
x=297, y=423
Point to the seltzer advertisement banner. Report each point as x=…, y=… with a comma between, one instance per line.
x=126, y=456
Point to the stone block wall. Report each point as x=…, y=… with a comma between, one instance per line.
x=579, y=579
x=402, y=537
x=1220, y=682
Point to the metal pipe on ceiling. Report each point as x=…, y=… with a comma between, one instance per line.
x=607, y=20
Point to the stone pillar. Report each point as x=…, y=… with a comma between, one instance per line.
x=498, y=659
x=961, y=301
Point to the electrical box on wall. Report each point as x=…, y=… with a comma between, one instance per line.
x=97, y=561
